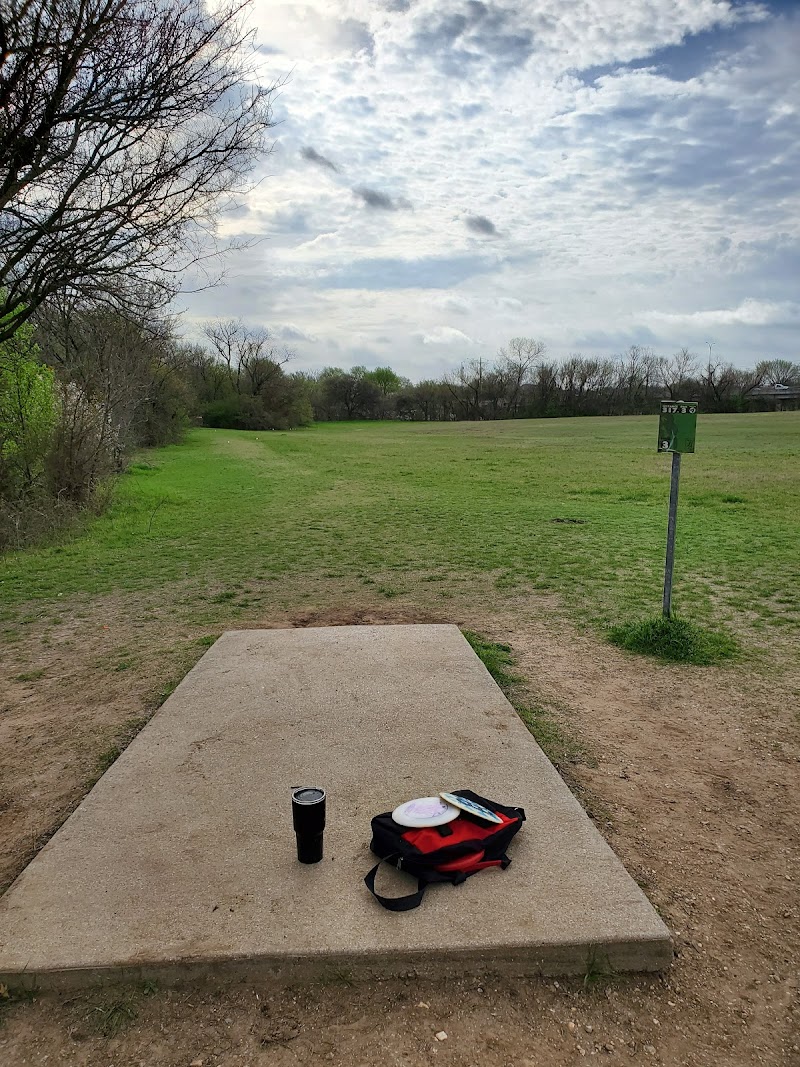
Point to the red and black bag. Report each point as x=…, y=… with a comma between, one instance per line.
x=448, y=853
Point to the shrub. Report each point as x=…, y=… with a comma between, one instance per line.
x=86, y=447
x=27, y=417
x=284, y=408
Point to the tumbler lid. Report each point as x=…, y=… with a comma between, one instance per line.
x=307, y=795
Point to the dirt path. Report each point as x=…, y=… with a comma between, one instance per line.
x=693, y=778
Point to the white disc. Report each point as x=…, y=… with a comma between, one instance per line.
x=425, y=811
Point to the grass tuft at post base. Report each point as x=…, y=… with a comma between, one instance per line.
x=676, y=640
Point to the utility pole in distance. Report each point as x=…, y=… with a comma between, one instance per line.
x=676, y=434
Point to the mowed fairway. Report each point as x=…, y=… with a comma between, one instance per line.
x=532, y=534
x=575, y=507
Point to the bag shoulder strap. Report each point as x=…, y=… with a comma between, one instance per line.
x=407, y=903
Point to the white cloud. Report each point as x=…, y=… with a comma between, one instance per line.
x=748, y=313
x=445, y=335
x=635, y=195
x=452, y=302
x=289, y=332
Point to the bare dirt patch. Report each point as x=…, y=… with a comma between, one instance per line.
x=693, y=778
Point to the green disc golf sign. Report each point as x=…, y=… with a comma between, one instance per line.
x=676, y=426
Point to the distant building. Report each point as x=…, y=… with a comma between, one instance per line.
x=775, y=397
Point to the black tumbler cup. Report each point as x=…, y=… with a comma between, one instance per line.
x=308, y=815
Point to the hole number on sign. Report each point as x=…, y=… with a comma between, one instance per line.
x=680, y=409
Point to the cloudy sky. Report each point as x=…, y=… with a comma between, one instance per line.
x=448, y=174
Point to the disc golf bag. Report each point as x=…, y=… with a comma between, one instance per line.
x=447, y=853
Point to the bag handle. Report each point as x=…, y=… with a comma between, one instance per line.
x=407, y=903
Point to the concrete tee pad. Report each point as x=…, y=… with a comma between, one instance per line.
x=181, y=861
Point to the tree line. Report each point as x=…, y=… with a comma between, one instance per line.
x=522, y=382
x=242, y=379
x=83, y=385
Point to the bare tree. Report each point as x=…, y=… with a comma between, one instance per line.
x=584, y=384
x=133, y=373
x=251, y=358
x=466, y=386
x=205, y=373
x=518, y=362
x=638, y=369
x=545, y=387
x=678, y=372
x=724, y=387
x=124, y=125
x=778, y=372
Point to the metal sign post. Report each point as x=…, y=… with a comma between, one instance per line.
x=666, y=605
x=676, y=434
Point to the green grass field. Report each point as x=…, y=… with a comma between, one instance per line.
x=575, y=507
